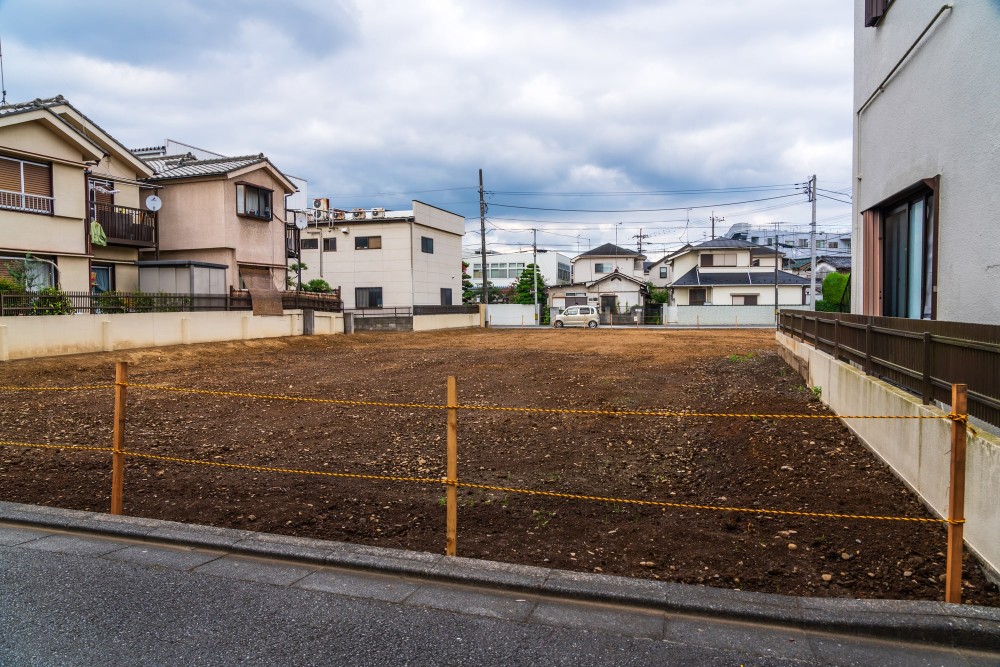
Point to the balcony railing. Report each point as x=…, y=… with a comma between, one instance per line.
x=124, y=225
x=19, y=201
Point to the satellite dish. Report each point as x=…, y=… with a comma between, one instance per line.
x=300, y=221
x=153, y=203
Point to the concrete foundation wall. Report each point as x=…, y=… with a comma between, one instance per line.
x=46, y=336
x=918, y=450
x=721, y=315
x=455, y=321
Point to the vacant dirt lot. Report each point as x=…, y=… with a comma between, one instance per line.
x=810, y=465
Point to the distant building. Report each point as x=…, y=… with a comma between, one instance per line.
x=505, y=268
x=384, y=259
x=793, y=244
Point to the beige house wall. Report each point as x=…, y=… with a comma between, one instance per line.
x=583, y=267
x=190, y=216
x=788, y=295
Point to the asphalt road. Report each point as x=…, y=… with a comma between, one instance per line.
x=72, y=599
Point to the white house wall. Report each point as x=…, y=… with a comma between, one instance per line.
x=583, y=267
x=937, y=115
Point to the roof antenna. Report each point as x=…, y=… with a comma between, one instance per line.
x=3, y=83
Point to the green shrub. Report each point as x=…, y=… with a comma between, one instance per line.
x=51, y=301
x=8, y=285
x=317, y=285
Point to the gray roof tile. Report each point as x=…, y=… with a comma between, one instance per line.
x=698, y=278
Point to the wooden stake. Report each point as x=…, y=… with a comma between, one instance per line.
x=451, y=547
x=118, y=444
x=956, y=496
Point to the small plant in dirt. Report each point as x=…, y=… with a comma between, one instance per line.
x=542, y=519
x=741, y=357
x=817, y=393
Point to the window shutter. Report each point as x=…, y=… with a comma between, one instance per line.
x=37, y=180
x=706, y=260
x=10, y=175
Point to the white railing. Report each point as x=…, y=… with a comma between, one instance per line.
x=20, y=201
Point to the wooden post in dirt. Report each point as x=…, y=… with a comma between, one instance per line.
x=118, y=443
x=452, y=488
x=956, y=495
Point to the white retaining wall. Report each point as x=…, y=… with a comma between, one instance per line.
x=720, y=315
x=512, y=314
x=918, y=450
x=52, y=335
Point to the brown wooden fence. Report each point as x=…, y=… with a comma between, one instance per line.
x=922, y=356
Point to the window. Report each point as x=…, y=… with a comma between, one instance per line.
x=445, y=296
x=427, y=244
x=368, y=297
x=367, y=243
x=637, y=265
x=908, y=256
x=309, y=244
x=875, y=10
x=696, y=297
x=719, y=259
x=832, y=244
x=498, y=270
x=803, y=243
x=25, y=186
x=820, y=244
x=562, y=272
x=477, y=270
x=745, y=299
x=602, y=268
x=330, y=245
x=253, y=202
x=663, y=272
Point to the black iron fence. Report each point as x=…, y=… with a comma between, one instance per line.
x=921, y=356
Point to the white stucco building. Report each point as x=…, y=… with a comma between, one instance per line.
x=386, y=259
x=505, y=268
x=926, y=159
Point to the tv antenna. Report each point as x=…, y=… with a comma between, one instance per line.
x=3, y=82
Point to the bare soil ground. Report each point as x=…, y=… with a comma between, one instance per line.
x=809, y=465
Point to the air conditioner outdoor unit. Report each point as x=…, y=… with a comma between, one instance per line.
x=321, y=203
x=358, y=214
x=378, y=212
x=339, y=215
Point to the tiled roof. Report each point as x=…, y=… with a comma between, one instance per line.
x=187, y=166
x=836, y=261
x=697, y=278
x=610, y=250
x=726, y=243
x=33, y=105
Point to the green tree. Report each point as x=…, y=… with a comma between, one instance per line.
x=469, y=291
x=526, y=286
x=659, y=295
x=317, y=285
x=834, y=286
x=22, y=275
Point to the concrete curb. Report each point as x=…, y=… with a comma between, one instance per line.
x=958, y=626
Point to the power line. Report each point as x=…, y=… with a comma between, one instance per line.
x=643, y=210
x=615, y=193
x=820, y=194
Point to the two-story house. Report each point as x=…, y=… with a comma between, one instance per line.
x=72, y=196
x=223, y=212
x=729, y=272
x=609, y=276
x=926, y=94
x=385, y=259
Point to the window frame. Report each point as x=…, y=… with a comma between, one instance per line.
x=601, y=267
x=332, y=240
x=23, y=193
x=744, y=297
x=427, y=245
x=369, y=292
x=697, y=290
x=242, y=190
x=309, y=244
x=446, y=296
x=365, y=242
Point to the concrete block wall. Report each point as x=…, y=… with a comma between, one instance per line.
x=918, y=450
x=46, y=336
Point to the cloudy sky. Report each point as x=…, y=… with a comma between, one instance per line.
x=583, y=114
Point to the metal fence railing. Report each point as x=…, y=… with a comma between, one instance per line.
x=922, y=356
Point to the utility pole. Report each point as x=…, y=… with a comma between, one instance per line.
x=715, y=220
x=812, y=245
x=640, y=236
x=534, y=270
x=776, y=260
x=482, y=252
